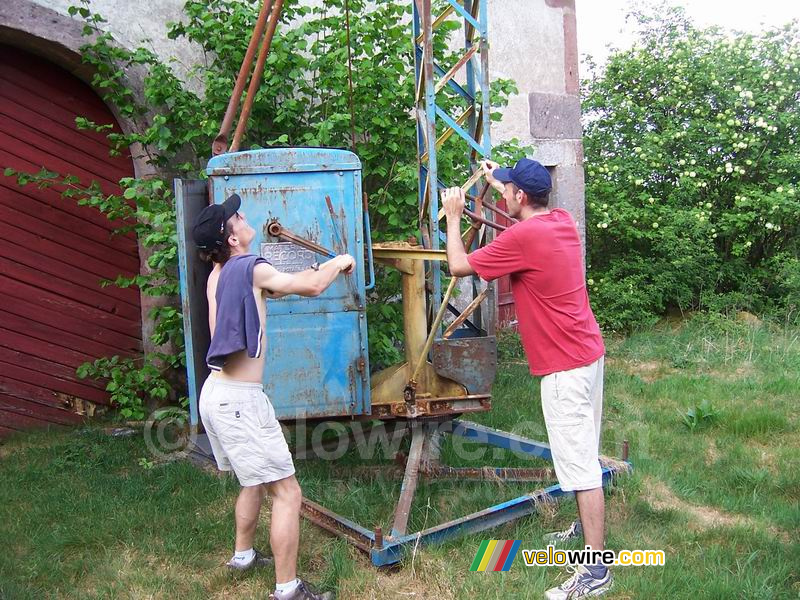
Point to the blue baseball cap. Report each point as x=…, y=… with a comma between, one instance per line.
x=528, y=175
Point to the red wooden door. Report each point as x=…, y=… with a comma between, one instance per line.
x=54, y=314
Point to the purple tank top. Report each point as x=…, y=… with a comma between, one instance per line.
x=238, y=326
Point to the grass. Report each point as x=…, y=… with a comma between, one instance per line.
x=81, y=516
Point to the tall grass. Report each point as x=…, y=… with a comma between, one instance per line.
x=82, y=517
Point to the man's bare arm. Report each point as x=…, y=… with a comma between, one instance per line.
x=211, y=296
x=307, y=283
x=453, y=202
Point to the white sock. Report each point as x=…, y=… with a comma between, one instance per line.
x=287, y=588
x=244, y=556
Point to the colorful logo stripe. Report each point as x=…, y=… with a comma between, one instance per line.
x=495, y=555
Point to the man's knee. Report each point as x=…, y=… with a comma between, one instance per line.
x=287, y=490
x=253, y=491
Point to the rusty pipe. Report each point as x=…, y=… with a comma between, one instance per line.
x=220, y=143
x=255, y=81
x=478, y=201
x=487, y=222
x=497, y=210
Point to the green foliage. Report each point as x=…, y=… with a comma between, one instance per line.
x=692, y=172
x=699, y=415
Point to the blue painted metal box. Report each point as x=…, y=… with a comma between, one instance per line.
x=316, y=357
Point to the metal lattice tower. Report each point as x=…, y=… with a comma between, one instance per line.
x=471, y=125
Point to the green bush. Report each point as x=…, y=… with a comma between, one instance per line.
x=692, y=167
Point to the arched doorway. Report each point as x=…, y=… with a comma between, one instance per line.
x=54, y=314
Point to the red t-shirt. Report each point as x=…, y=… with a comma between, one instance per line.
x=543, y=256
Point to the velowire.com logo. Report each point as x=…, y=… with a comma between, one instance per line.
x=495, y=555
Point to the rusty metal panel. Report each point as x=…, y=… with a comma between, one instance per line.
x=316, y=358
x=472, y=362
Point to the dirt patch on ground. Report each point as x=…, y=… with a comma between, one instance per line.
x=745, y=370
x=766, y=456
x=712, y=453
x=648, y=370
x=653, y=370
x=661, y=497
x=419, y=579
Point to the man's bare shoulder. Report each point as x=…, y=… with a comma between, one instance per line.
x=213, y=278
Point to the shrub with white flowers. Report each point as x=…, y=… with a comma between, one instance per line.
x=693, y=172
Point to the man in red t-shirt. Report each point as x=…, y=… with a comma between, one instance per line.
x=542, y=254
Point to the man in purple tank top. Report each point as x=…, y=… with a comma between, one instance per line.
x=238, y=417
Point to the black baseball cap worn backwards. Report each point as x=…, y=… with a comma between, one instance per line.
x=528, y=175
x=208, y=230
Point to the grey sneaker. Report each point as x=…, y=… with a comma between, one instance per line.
x=259, y=560
x=302, y=592
x=581, y=585
x=572, y=532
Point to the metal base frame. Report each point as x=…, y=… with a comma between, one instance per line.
x=388, y=550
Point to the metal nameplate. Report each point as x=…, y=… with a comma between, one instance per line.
x=287, y=257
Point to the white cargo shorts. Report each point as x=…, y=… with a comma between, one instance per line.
x=244, y=434
x=572, y=403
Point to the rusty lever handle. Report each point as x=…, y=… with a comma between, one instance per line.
x=275, y=229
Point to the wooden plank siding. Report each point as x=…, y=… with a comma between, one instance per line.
x=54, y=313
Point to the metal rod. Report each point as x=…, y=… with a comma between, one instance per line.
x=467, y=312
x=625, y=449
x=436, y=322
x=495, y=437
x=498, y=474
x=220, y=143
x=487, y=222
x=319, y=515
x=275, y=229
x=472, y=215
x=469, y=27
x=350, y=77
x=499, y=211
x=473, y=523
x=454, y=69
x=439, y=316
x=410, y=479
x=439, y=20
x=474, y=178
x=255, y=81
x=448, y=133
x=478, y=132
